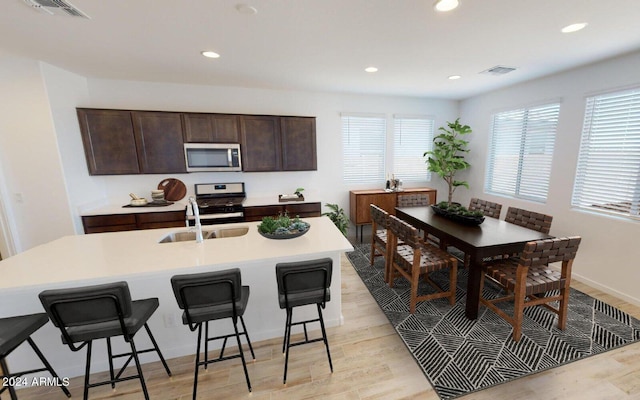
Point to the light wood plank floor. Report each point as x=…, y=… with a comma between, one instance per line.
x=370, y=362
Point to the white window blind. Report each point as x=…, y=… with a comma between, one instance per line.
x=608, y=173
x=412, y=136
x=521, y=151
x=363, y=147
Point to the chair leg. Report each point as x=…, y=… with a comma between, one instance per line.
x=518, y=313
x=244, y=362
x=47, y=365
x=110, y=354
x=563, y=308
x=87, y=372
x=195, y=378
x=324, y=336
x=5, y=370
x=453, y=282
x=246, y=334
x=134, y=352
x=288, y=342
x=155, y=346
x=287, y=327
x=206, y=345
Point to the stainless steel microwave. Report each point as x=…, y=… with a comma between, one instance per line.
x=202, y=157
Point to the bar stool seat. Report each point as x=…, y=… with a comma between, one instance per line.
x=87, y=313
x=13, y=332
x=211, y=296
x=299, y=284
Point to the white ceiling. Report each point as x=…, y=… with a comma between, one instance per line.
x=324, y=45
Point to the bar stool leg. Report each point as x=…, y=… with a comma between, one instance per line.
x=195, y=378
x=47, y=365
x=155, y=346
x=206, y=345
x=244, y=363
x=324, y=336
x=5, y=371
x=110, y=354
x=288, y=341
x=139, y=368
x=87, y=371
x=246, y=333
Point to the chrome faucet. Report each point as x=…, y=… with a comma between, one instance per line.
x=192, y=208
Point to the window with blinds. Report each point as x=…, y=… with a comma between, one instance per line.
x=608, y=173
x=521, y=151
x=412, y=136
x=363, y=148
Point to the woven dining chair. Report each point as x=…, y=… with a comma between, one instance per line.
x=379, y=247
x=414, y=258
x=529, y=280
x=488, y=208
x=413, y=200
x=529, y=219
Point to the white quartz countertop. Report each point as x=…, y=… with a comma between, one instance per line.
x=107, y=256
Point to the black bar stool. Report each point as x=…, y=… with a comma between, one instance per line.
x=299, y=284
x=84, y=314
x=13, y=332
x=212, y=296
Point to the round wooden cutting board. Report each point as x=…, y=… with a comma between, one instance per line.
x=174, y=189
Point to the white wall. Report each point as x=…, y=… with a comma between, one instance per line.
x=608, y=255
x=33, y=186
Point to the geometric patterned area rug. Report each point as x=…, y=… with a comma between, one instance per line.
x=459, y=356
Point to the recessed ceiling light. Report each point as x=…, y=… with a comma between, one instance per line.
x=371, y=69
x=573, y=27
x=446, y=5
x=210, y=54
x=454, y=77
x=246, y=9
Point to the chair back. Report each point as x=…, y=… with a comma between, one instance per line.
x=488, y=208
x=88, y=304
x=312, y=277
x=547, y=251
x=207, y=288
x=413, y=200
x=403, y=231
x=529, y=219
x=379, y=216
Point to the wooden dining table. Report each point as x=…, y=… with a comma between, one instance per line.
x=491, y=238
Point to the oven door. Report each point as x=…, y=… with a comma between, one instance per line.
x=217, y=218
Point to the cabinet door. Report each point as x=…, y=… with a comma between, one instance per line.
x=159, y=142
x=167, y=219
x=260, y=143
x=298, y=143
x=109, y=223
x=303, y=210
x=109, y=141
x=256, y=213
x=211, y=128
x=386, y=201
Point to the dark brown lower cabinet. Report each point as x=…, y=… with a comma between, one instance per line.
x=130, y=222
x=301, y=210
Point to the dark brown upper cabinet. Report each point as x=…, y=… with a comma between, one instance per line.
x=159, y=142
x=211, y=128
x=298, y=143
x=261, y=147
x=109, y=141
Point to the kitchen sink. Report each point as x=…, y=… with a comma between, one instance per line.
x=186, y=236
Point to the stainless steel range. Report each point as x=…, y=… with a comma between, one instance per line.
x=219, y=203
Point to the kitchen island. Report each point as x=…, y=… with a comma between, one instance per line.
x=147, y=265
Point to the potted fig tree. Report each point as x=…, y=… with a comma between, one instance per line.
x=446, y=160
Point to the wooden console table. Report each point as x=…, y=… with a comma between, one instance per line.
x=359, y=200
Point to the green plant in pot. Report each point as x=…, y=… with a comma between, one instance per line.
x=447, y=157
x=338, y=216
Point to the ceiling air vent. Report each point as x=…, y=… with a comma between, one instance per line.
x=54, y=7
x=498, y=70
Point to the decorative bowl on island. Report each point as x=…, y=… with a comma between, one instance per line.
x=282, y=227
